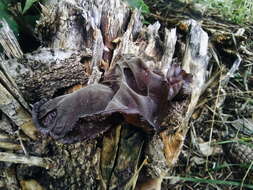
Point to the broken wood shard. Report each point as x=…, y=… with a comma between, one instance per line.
x=9, y=41
x=12, y=108
x=31, y=160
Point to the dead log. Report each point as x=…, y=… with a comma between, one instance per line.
x=82, y=42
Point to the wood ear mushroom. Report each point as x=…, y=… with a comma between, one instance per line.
x=130, y=92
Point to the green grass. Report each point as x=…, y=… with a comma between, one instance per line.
x=246, y=141
x=215, y=182
x=238, y=11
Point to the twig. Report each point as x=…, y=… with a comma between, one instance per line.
x=21, y=143
x=31, y=160
x=246, y=174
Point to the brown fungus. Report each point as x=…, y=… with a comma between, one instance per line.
x=130, y=91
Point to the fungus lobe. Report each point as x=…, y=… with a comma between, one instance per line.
x=130, y=92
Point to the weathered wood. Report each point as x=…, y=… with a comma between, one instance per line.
x=31, y=160
x=9, y=42
x=8, y=143
x=10, y=179
x=12, y=108
x=7, y=81
x=6, y=125
x=43, y=73
x=84, y=40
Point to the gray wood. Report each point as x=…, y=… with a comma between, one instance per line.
x=81, y=39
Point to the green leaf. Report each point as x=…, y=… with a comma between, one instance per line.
x=139, y=4
x=5, y=14
x=28, y=5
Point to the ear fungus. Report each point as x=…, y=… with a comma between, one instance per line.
x=131, y=92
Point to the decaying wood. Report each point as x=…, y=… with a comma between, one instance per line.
x=8, y=142
x=9, y=41
x=10, y=179
x=221, y=33
x=12, y=108
x=82, y=40
x=31, y=160
x=31, y=184
x=41, y=72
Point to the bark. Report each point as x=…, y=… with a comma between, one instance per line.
x=82, y=40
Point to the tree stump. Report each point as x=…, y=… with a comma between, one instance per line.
x=83, y=41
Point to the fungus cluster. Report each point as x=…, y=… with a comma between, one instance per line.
x=130, y=92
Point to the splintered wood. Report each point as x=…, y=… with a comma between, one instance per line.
x=83, y=42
